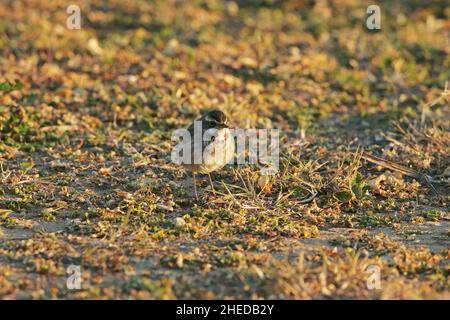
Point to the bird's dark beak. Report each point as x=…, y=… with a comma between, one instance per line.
x=222, y=125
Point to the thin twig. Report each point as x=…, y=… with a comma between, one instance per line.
x=399, y=168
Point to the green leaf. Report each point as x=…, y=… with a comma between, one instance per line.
x=5, y=212
x=357, y=185
x=343, y=196
x=8, y=87
x=27, y=166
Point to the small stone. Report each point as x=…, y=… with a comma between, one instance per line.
x=232, y=8
x=171, y=48
x=446, y=172
x=180, y=261
x=179, y=222
x=94, y=47
x=206, y=267
x=364, y=253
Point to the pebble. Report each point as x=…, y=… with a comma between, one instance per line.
x=179, y=222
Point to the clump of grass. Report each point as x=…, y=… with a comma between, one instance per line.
x=6, y=220
x=8, y=87
x=433, y=215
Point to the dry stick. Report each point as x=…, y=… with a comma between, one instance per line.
x=211, y=183
x=195, y=184
x=443, y=95
x=404, y=146
x=399, y=168
x=34, y=181
x=313, y=191
x=404, y=170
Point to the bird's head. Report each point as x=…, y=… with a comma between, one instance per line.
x=215, y=119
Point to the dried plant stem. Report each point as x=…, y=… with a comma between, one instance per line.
x=398, y=168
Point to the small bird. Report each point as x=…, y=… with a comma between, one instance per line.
x=215, y=144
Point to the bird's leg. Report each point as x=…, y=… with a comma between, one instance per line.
x=195, y=185
x=212, y=186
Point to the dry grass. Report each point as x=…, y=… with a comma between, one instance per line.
x=85, y=173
